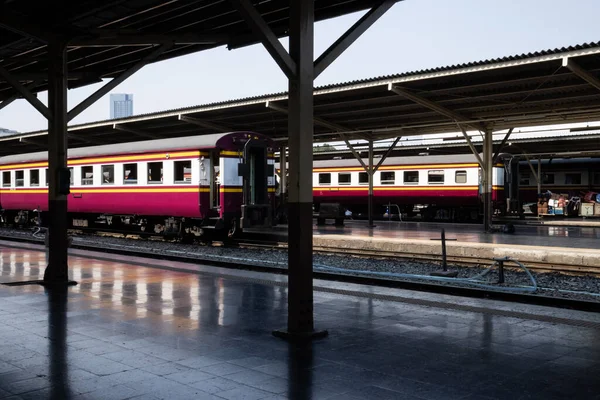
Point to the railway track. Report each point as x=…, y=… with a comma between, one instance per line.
x=464, y=261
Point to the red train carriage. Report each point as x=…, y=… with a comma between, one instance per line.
x=442, y=187
x=574, y=176
x=176, y=186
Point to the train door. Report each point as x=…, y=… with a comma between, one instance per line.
x=257, y=179
x=215, y=180
x=255, y=171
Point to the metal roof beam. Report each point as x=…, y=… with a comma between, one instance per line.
x=472, y=147
x=17, y=96
x=433, y=106
x=351, y=35
x=21, y=25
x=502, y=143
x=264, y=33
x=580, y=72
x=138, y=132
x=535, y=174
x=84, y=139
x=26, y=93
x=30, y=76
x=320, y=121
x=356, y=155
x=110, y=37
x=204, y=124
x=39, y=143
x=78, y=109
x=387, y=153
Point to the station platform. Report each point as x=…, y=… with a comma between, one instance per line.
x=540, y=244
x=147, y=329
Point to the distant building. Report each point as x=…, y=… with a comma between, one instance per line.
x=5, y=132
x=121, y=105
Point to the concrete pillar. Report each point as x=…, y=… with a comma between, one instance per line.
x=300, y=133
x=57, y=270
x=370, y=174
x=488, y=208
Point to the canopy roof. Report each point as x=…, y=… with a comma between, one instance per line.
x=542, y=88
x=107, y=37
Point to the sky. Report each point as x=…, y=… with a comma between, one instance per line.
x=413, y=35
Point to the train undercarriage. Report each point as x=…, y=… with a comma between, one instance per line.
x=176, y=228
x=399, y=212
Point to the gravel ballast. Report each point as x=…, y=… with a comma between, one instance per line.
x=549, y=284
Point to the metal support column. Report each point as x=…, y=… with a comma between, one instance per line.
x=488, y=208
x=300, y=132
x=57, y=269
x=370, y=173
x=538, y=177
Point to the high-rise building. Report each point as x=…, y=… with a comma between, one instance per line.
x=121, y=105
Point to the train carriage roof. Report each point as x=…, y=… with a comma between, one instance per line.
x=226, y=141
x=418, y=160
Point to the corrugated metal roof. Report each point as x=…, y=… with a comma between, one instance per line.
x=516, y=91
x=191, y=26
x=350, y=85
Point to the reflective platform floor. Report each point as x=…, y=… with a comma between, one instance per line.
x=147, y=329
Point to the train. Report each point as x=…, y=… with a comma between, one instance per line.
x=223, y=184
x=436, y=187
x=186, y=187
x=572, y=176
x=448, y=187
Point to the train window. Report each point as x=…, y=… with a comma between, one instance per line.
x=183, y=171
x=6, y=179
x=524, y=179
x=108, y=174
x=344, y=179
x=573, y=178
x=87, y=175
x=155, y=172
x=363, y=178
x=596, y=180
x=436, y=176
x=548, y=179
x=20, y=178
x=388, y=178
x=460, y=177
x=34, y=177
x=325, y=179
x=71, y=176
x=411, y=177
x=130, y=173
